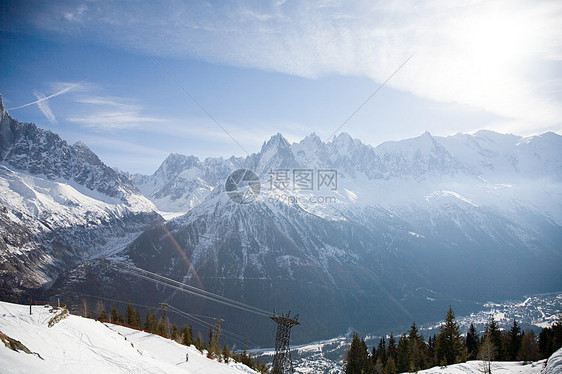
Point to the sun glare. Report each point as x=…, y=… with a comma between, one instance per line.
x=497, y=39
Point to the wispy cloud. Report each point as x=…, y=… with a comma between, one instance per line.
x=488, y=55
x=43, y=101
x=110, y=114
x=112, y=120
x=41, y=98
x=44, y=107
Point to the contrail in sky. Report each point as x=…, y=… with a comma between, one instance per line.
x=64, y=90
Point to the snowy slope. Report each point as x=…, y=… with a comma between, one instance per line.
x=554, y=364
x=80, y=345
x=475, y=367
x=49, y=225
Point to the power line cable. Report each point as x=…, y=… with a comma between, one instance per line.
x=179, y=286
x=182, y=287
x=233, y=335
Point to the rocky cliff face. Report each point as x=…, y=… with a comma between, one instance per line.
x=60, y=205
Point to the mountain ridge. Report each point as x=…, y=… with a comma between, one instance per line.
x=60, y=206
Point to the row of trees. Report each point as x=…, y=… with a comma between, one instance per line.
x=412, y=353
x=161, y=325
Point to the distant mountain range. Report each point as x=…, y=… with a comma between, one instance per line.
x=346, y=234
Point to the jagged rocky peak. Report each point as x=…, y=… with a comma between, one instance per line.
x=83, y=150
x=6, y=123
x=2, y=107
x=175, y=163
x=348, y=147
x=310, y=150
x=312, y=139
x=275, y=153
x=277, y=141
x=28, y=148
x=343, y=139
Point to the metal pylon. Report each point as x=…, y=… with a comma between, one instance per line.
x=282, y=362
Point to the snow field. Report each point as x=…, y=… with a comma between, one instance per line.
x=81, y=345
x=496, y=367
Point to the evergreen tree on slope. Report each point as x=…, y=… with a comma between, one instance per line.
x=450, y=348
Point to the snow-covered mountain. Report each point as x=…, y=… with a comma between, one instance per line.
x=342, y=232
x=59, y=206
x=406, y=229
x=182, y=182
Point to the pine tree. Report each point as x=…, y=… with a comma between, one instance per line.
x=247, y=359
x=403, y=354
x=116, y=317
x=186, y=335
x=390, y=367
x=497, y=339
x=514, y=341
x=161, y=327
x=545, y=342
x=214, y=337
x=378, y=367
x=153, y=320
x=529, y=347
x=472, y=343
x=392, y=351
x=211, y=341
x=198, y=343
x=431, y=351
x=381, y=353
x=103, y=315
x=357, y=356
x=557, y=334
x=129, y=315
x=132, y=317
x=417, y=349
x=137, y=319
x=449, y=345
x=189, y=336
x=174, y=332
x=148, y=322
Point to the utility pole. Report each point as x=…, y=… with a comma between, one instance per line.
x=282, y=362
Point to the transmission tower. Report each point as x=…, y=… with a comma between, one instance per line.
x=282, y=362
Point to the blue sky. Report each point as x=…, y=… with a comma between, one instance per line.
x=260, y=67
